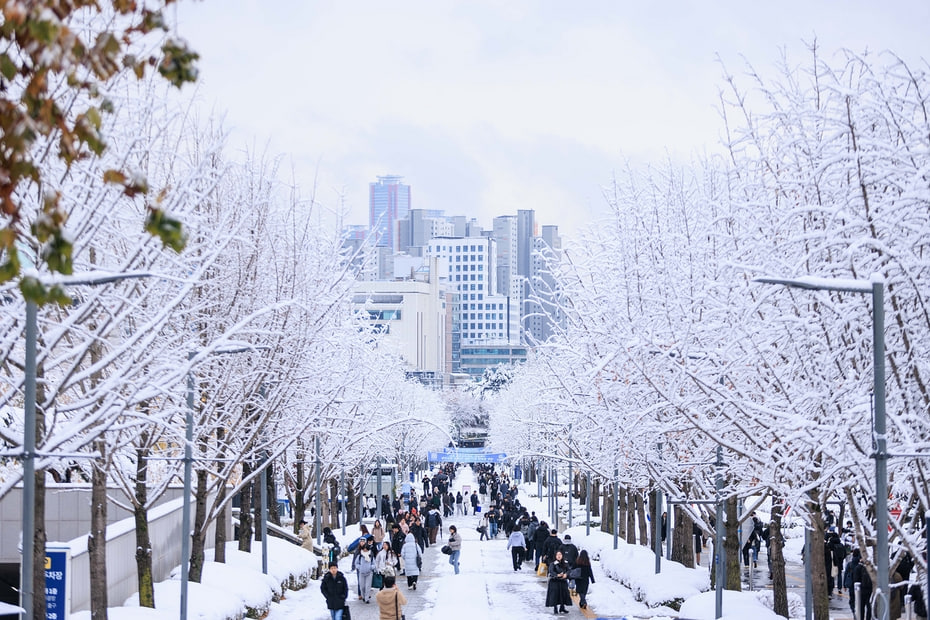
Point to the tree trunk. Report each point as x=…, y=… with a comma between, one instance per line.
x=683, y=538
x=334, y=503
x=818, y=567
x=140, y=515
x=607, y=523
x=631, y=517
x=220, y=535
x=622, y=512
x=300, y=504
x=97, y=540
x=732, y=546
x=641, y=515
x=272, y=494
x=595, y=493
x=776, y=548
x=198, y=540
x=39, y=537
x=351, y=502
x=245, y=510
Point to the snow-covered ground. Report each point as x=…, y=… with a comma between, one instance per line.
x=626, y=584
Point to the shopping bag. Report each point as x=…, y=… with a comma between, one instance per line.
x=346, y=614
x=377, y=580
x=543, y=569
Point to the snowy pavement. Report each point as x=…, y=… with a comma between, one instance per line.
x=487, y=584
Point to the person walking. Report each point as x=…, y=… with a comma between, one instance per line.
x=455, y=543
x=459, y=504
x=390, y=601
x=386, y=562
x=335, y=590
x=557, y=596
x=377, y=531
x=474, y=502
x=516, y=542
x=364, y=565
x=583, y=576
x=412, y=561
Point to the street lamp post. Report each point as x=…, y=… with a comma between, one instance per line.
x=188, y=461
x=876, y=287
x=28, y=565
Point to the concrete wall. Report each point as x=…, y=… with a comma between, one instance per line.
x=68, y=520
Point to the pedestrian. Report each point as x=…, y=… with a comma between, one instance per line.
x=583, y=576
x=483, y=528
x=474, y=502
x=569, y=551
x=412, y=561
x=517, y=545
x=557, y=596
x=553, y=544
x=433, y=523
x=335, y=590
x=390, y=601
x=698, y=535
x=364, y=565
x=455, y=543
x=377, y=532
x=459, y=504
x=386, y=562
x=539, y=542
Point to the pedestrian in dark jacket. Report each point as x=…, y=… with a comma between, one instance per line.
x=335, y=590
x=584, y=579
x=557, y=596
x=553, y=544
x=569, y=551
x=539, y=542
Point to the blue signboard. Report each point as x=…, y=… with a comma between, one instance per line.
x=57, y=563
x=454, y=456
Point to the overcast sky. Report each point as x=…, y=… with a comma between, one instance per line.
x=486, y=107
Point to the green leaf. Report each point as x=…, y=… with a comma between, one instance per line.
x=33, y=290
x=9, y=269
x=177, y=64
x=168, y=229
x=7, y=67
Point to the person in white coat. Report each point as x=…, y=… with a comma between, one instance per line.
x=410, y=552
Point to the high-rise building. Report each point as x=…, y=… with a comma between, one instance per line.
x=388, y=203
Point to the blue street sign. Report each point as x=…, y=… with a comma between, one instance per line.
x=57, y=564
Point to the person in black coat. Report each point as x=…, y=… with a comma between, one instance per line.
x=557, y=595
x=335, y=590
x=585, y=577
x=569, y=551
x=553, y=544
x=539, y=541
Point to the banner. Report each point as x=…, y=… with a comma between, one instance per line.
x=461, y=456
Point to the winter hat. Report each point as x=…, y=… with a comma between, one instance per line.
x=567, y=537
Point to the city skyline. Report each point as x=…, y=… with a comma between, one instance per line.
x=487, y=107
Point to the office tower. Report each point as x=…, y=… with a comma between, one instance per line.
x=388, y=202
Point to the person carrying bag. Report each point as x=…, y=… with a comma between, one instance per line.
x=390, y=601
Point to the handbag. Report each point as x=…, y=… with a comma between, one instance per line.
x=574, y=573
x=419, y=561
x=377, y=580
x=446, y=549
x=346, y=614
x=397, y=613
x=543, y=569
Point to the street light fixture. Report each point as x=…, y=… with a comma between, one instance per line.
x=29, y=423
x=876, y=287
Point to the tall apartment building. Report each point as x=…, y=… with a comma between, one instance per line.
x=419, y=226
x=479, y=314
x=388, y=203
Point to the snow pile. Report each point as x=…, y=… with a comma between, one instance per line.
x=736, y=606
x=634, y=567
x=230, y=591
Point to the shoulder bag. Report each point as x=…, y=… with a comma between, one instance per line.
x=397, y=613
